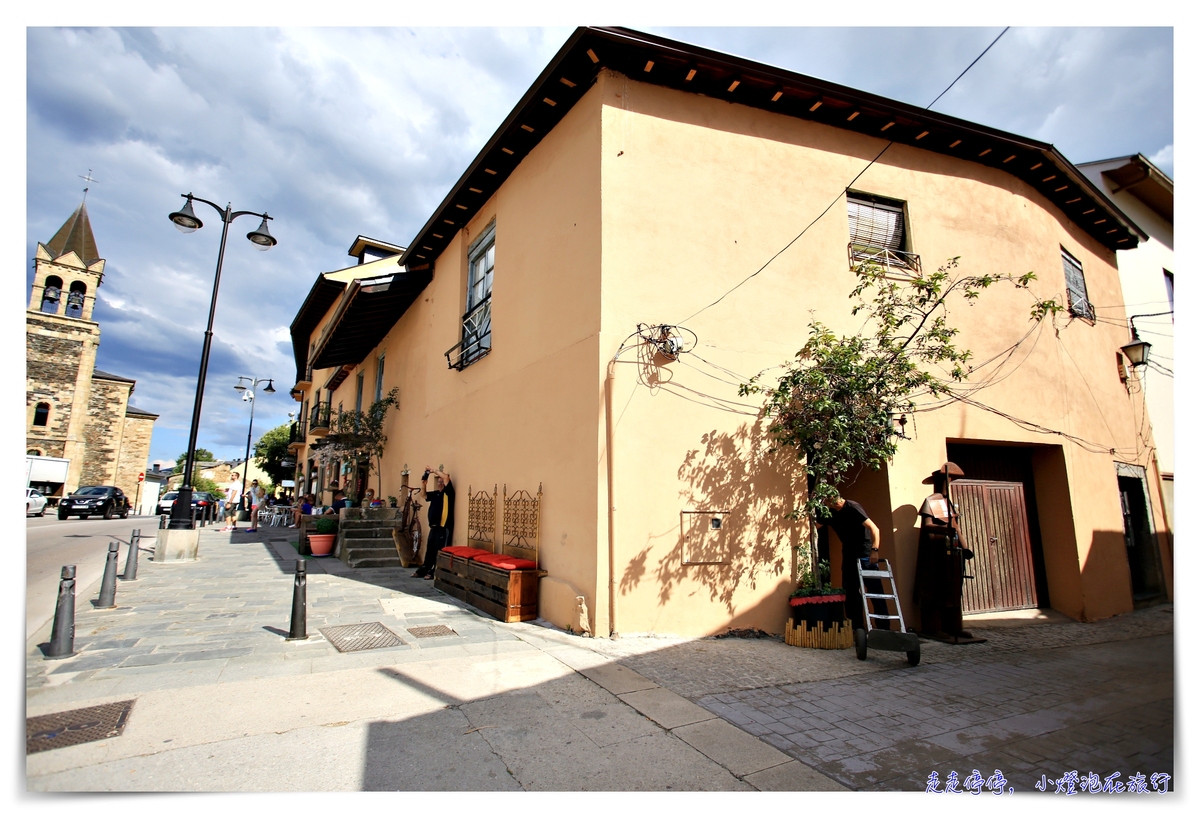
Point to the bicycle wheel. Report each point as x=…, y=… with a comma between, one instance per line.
x=414, y=534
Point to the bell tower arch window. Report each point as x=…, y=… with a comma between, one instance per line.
x=75, y=299
x=51, y=294
x=41, y=414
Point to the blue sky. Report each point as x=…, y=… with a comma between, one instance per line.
x=338, y=132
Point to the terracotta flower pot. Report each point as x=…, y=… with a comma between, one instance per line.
x=321, y=545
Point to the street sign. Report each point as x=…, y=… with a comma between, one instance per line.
x=141, y=476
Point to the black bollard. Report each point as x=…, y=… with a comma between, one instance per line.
x=299, y=629
x=162, y=520
x=193, y=516
x=62, y=635
x=108, y=585
x=131, y=560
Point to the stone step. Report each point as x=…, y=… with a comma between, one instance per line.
x=374, y=562
x=361, y=524
x=368, y=542
x=372, y=550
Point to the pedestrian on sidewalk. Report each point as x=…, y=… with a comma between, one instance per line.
x=254, y=496
x=860, y=539
x=232, y=495
x=441, y=519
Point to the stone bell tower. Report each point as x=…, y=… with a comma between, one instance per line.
x=61, y=343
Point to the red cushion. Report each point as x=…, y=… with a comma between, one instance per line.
x=463, y=551
x=505, y=562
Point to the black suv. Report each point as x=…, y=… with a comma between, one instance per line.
x=106, y=501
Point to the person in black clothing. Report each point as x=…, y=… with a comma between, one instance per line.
x=441, y=519
x=860, y=538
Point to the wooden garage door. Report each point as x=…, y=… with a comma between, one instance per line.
x=994, y=525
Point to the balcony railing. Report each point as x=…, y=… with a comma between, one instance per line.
x=296, y=435
x=893, y=262
x=476, y=339
x=318, y=419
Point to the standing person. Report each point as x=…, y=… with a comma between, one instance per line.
x=941, y=559
x=441, y=519
x=860, y=538
x=232, y=495
x=252, y=499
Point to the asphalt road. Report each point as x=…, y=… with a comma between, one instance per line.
x=51, y=543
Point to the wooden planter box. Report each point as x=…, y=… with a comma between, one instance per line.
x=510, y=596
x=827, y=610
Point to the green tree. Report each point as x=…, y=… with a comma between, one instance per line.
x=202, y=456
x=833, y=405
x=272, y=449
x=358, y=437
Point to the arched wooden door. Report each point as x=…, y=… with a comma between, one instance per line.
x=995, y=526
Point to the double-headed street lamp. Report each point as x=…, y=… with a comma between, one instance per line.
x=185, y=219
x=248, y=394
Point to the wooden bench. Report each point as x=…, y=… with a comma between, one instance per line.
x=504, y=584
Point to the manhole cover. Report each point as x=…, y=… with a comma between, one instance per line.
x=75, y=726
x=431, y=630
x=367, y=636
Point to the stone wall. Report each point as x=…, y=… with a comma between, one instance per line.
x=135, y=452
x=105, y=428
x=53, y=350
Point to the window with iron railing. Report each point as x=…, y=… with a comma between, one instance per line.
x=1077, y=296
x=477, y=320
x=319, y=419
x=878, y=235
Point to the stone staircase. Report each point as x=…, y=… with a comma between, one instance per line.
x=365, y=538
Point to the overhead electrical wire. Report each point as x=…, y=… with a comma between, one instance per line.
x=841, y=192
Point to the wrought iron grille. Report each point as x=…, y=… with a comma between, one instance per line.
x=893, y=262
x=481, y=517
x=522, y=520
x=477, y=336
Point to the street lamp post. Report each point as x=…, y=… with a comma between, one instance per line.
x=185, y=219
x=248, y=394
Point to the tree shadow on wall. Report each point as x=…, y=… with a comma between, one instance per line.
x=731, y=473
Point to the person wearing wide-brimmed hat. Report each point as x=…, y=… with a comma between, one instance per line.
x=940, y=558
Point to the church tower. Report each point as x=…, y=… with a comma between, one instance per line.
x=75, y=411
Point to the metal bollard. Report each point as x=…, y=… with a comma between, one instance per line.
x=193, y=516
x=62, y=635
x=108, y=586
x=162, y=520
x=299, y=629
x=131, y=560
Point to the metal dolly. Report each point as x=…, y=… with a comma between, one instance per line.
x=903, y=640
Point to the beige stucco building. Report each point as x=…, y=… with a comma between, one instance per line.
x=1147, y=196
x=73, y=410
x=643, y=182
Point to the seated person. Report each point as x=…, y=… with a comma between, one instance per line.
x=368, y=498
x=339, y=502
x=305, y=507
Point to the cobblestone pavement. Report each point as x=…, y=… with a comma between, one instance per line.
x=1042, y=699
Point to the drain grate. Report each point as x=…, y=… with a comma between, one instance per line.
x=365, y=636
x=71, y=727
x=425, y=631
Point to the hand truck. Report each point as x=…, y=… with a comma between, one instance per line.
x=904, y=641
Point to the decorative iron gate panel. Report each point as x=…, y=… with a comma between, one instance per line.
x=994, y=525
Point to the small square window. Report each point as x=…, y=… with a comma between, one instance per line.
x=1077, y=297
x=878, y=234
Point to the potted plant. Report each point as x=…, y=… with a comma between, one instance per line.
x=815, y=602
x=325, y=532
x=391, y=501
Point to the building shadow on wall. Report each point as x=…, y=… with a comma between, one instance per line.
x=734, y=532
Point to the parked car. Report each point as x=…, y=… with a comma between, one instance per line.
x=200, y=501
x=35, y=503
x=106, y=501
